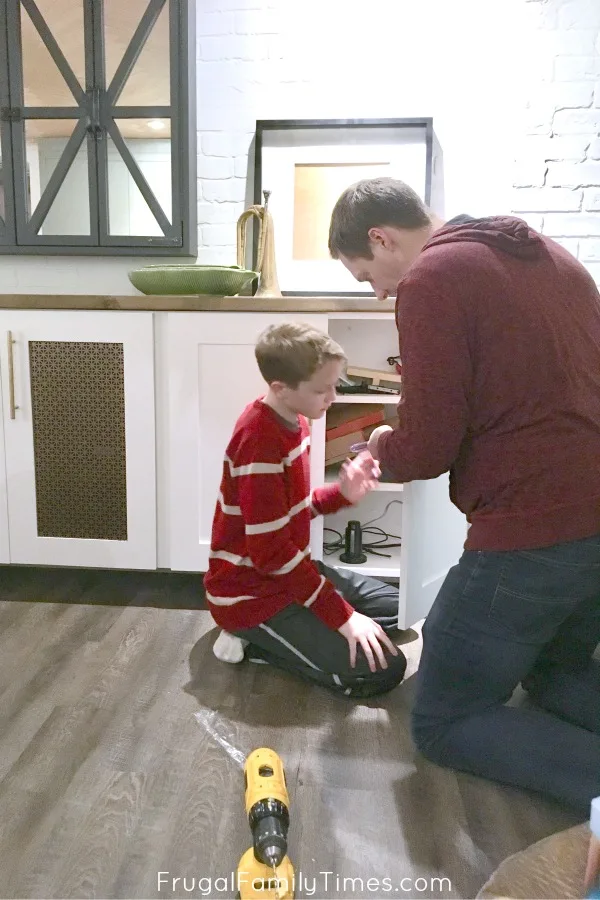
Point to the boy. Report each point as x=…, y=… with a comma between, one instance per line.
x=262, y=585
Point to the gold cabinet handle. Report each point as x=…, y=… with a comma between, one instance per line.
x=11, y=375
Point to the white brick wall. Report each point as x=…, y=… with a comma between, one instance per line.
x=262, y=59
x=552, y=69
x=557, y=163
x=513, y=87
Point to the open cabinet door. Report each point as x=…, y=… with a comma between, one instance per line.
x=433, y=534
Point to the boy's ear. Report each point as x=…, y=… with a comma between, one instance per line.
x=277, y=387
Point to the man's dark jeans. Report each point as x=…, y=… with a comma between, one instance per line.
x=504, y=618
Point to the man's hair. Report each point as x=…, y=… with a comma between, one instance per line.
x=293, y=352
x=372, y=203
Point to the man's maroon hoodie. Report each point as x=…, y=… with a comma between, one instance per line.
x=500, y=346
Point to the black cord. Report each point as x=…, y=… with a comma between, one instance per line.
x=383, y=514
x=369, y=528
x=375, y=546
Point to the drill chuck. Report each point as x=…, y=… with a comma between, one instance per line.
x=267, y=805
x=269, y=822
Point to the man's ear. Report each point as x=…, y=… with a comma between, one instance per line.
x=380, y=237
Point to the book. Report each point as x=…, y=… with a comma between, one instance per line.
x=348, y=418
x=376, y=380
x=338, y=449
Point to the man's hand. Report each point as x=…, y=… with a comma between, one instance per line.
x=374, y=439
x=358, y=477
x=362, y=630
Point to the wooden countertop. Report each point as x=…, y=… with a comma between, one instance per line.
x=196, y=303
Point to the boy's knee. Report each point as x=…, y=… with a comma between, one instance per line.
x=380, y=682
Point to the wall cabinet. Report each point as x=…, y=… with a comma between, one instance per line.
x=113, y=430
x=82, y=173
x=78, y=417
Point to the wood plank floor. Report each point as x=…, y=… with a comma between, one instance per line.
x=122, y=740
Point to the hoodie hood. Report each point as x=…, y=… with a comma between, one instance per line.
x=506, y=233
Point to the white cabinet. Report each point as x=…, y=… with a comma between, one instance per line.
x=211, y=374
x=79, y=438
x=207, y=367
x=418, y=516
x=114, y=427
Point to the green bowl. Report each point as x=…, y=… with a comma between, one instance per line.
x=221, y=281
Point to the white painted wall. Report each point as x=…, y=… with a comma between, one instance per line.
x=513, y=87
x=349, y=59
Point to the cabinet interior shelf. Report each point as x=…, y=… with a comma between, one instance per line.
x=368, y=398
x=374, y=567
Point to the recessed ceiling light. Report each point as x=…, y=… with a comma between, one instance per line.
x=156, y=124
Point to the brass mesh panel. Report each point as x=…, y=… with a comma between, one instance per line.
x=78, y=409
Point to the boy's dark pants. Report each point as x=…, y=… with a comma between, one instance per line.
x=502, y=618
x=297, y=641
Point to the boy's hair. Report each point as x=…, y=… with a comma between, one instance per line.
x=372, y=203
x=293, y=352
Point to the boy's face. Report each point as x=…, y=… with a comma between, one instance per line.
x=313, y=398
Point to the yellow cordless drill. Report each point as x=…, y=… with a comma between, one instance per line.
x=265, y=870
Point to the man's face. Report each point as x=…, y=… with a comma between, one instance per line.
x=393, y=254
x=383, y=272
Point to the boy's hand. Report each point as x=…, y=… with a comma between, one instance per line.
x=359, y=476
x=374, y=439
x=362, y=630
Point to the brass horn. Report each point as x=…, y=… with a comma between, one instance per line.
x=268, y=285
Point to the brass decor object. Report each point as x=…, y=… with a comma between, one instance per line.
x=268, y=285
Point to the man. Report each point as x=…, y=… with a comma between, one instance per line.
x=500, y=348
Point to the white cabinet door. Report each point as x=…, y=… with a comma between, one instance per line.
x=80, y=440
x=4, y=542
x=212, y=375
x=433, y=534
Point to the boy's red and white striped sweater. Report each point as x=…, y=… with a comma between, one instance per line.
x=260, y=547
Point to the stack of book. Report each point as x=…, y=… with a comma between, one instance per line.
x=349, y=424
